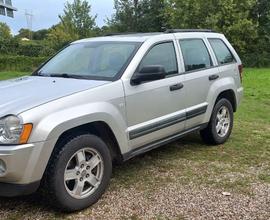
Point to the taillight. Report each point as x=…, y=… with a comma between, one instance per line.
x=240, y=68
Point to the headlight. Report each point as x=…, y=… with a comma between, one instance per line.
x=12, y=131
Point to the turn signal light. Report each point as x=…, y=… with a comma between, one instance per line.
x=27, y=129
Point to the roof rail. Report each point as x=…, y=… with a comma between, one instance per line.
x=119, y=33
x=188, y=30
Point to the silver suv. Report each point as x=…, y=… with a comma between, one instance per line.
x=108, y=99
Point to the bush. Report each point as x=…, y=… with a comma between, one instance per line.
x=256, y=59
x=9, y=46
x=15, y=46
x=34, y=49
x=29, y=49
x=20, y=63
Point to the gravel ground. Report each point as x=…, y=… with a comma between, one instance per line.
x=170, y=202
x=178, y=202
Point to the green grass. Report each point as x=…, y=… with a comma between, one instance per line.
x=9, y=75
x=235, y=166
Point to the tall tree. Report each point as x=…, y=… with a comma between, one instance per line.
x=152, y=16
x=76, y=23
x=261, y=13
x=8, y=44
x=138, y=15
x=259, y=50
x=125, y=17
x=77, y=19
x=231, y=17
x=5, y=32
x=58, y=37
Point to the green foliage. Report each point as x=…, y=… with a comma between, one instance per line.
x=15, y=46
x=5, y=32
x=34, y=49
x=76, y=23
x=58, y=37
x=77, y=19
x=40, y=34
x=246, y=23
x=258, y=53
x=8, y=46
x=138, y=16
x=25, y=33
x=20, y=63
x=230, y=17
x=35, y=35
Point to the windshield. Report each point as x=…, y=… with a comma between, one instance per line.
x=93, y=60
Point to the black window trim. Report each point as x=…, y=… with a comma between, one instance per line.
x=201, y=69
x=221, y=64
x=175, y=73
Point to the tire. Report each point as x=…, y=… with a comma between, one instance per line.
x=64, y=187
x=214, y=134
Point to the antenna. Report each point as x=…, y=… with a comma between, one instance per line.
x=29, y=19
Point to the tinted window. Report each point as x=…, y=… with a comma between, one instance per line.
x=162, y=54
x=222, y=52
x=195, y=54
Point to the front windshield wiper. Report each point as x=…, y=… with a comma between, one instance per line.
x=63, y=75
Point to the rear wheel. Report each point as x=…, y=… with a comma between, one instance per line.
x=79, y=172
x=221, y=123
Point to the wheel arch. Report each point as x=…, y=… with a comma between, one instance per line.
x=98, y=128
x=228, y=94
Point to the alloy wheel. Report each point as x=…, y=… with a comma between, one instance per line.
x=223, y=121
x=83, y=173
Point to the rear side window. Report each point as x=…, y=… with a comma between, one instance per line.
x=195, y=53
x=222, y=52
x=162, y=54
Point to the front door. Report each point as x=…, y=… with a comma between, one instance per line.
x=156, y=109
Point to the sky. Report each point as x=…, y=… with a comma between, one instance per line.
x=46, y=13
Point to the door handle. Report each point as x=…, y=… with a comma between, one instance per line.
x=213, y=77
x=176, y=87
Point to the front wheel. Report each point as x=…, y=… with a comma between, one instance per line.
x=221, y=123
x=79, y=172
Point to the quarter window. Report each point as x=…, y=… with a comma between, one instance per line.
x=162, y=54
x=222, y=52
x=195, y=53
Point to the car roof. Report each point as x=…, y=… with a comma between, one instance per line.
x=142, y=37
x=132, y=37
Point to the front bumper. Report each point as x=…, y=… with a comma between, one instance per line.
x=16, y=161
x=17, y=168
x=25, y=163
x=24, y=166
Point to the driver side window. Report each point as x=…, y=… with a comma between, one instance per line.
x=162, y=54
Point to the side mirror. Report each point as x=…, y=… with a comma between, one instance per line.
x=148, y=73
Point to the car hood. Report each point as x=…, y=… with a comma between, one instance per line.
x=21, y=94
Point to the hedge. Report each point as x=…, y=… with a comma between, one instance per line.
x=256, y=59
x=20, y=63
x=34, y=49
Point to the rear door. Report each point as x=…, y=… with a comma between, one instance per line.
x=200, y=73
